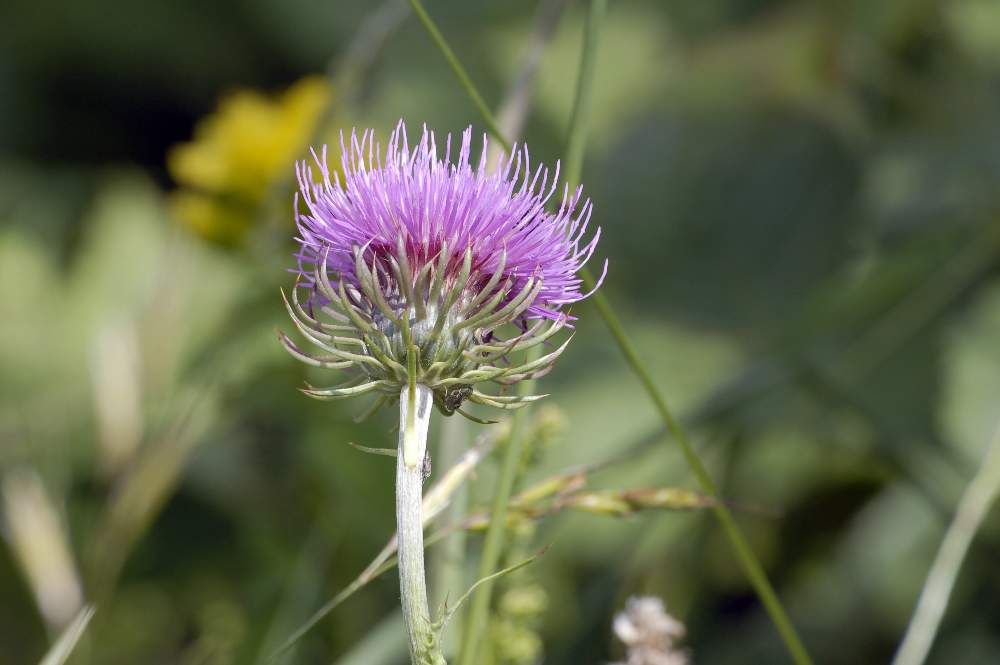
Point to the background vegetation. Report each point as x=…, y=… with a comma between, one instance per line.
x=800, y=207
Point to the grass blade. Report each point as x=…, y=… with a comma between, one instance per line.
x=751, y=565
x=435, y=501
x=493, y=545
x=463, y=76
x=63, y=648
x=972, y=509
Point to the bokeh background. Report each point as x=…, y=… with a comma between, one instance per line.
x=800, y=207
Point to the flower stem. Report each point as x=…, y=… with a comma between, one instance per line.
x=415, y=402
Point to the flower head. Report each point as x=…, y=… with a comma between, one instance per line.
x=414, y=264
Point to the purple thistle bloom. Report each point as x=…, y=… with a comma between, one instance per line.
x=428, y=201
x=413, y=251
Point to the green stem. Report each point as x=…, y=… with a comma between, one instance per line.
x=493, y=544
x=463, y=76
x=972, y=509
x=447, y=563
x=752, y=567
x=579, y=120
x=495, y=535
x=469, y=654
x=415, y=403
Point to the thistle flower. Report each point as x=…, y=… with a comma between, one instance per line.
x=415, y=268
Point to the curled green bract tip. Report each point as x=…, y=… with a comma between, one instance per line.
x=431, y=328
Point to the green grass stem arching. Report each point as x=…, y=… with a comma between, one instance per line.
x=751, y=565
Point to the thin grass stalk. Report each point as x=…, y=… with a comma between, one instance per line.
x=434, y=501
x=61, y=651
x=537, y=502
x=579, y=119
x=751, y=565
x=493, y=545
x=554, y=490
x=463, y=76
x=972, y=509
x=513, y=110
x=448, y=563
x=299, y=593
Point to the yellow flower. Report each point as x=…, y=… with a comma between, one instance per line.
x=239, y=153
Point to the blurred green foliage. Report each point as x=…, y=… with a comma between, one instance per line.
x=800, y=206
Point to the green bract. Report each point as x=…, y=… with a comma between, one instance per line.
x=451, y=330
